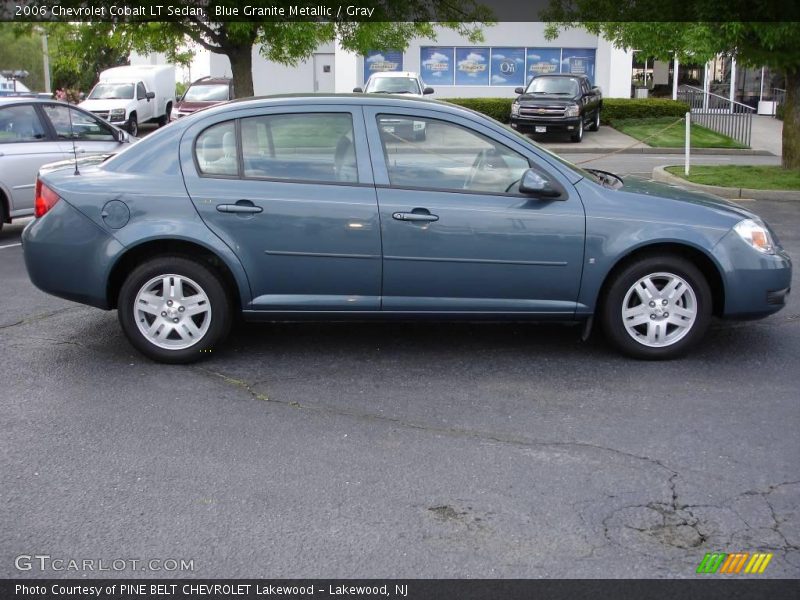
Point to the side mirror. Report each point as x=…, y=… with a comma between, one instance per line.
x=427, y=91
x=534, y=184
x=150, y=95
x=519, y=91
x=358, y=90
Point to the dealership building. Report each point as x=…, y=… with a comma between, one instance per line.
x=509, y=56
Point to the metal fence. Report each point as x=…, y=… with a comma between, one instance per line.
x=719, y=113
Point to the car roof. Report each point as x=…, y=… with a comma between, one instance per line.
x=395, y=74
x=211, y=81
x=28, y=100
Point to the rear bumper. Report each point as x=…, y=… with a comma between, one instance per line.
x=69, y=256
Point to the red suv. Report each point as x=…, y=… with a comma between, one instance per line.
x=206, y=91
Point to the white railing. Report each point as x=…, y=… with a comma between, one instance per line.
x=719, y=113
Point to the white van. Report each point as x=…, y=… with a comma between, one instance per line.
x=128, y=96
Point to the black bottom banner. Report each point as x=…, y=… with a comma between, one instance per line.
x=411, y=589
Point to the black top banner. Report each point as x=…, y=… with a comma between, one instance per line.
x=394, y=589
x=219, y=11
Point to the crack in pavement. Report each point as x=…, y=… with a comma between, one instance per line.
x=35, y=318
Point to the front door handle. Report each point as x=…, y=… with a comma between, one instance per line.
x=241, y=207
x=416, y=216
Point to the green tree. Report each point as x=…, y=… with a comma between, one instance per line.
x=773, y=44
x=393, y=24
x=22, y=52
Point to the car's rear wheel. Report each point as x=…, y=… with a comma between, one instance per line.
x=174, y=310
x=578, y=135
x=657, y=307
x=164, y=119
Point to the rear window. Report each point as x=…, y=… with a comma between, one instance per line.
x=217, y=92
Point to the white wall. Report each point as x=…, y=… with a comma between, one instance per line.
x=613, y=70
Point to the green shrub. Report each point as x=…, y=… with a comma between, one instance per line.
x=498, y=109
x=779, y=112
x=615, y=109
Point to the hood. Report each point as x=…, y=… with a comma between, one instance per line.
x=674, y=192
x=190, y=107
x=101, y=104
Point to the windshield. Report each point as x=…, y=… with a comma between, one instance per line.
x=217, y=92
x=557, y=86
x=112, y=91
x=393, y=85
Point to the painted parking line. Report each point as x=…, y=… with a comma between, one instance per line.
x=11, y=245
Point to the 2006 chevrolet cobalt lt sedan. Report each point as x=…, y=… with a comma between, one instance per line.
x=314, y=206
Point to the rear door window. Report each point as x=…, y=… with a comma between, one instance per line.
x=20, y=123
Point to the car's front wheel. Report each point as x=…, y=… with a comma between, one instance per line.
x=657, y=307
x=133, y=125
x=173, y=309
x=595, y=126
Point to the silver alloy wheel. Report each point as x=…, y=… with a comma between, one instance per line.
x=172, y=312
x=659, y=310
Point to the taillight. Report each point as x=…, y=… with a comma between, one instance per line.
x=45, y=199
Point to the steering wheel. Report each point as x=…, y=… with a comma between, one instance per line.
x=488, y=158
x=513, y=184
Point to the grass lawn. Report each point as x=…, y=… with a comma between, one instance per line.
x=674, y=137
x=740, y=176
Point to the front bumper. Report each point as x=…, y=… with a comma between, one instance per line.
x=756, y=285
x=528, y=124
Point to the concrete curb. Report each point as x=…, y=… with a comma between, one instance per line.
x=661, y=174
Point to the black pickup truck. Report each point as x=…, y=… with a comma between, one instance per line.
x=553, y=103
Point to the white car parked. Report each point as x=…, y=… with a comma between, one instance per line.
x=398, y=82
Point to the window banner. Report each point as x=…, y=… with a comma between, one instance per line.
x=578, y=61
x=542, y=61
x=508, y=66
x=382, y=60
x=437, y=65
x=472, y=66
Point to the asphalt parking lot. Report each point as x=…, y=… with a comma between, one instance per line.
x=396, y=450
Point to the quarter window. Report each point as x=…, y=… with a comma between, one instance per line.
x=20, y=124
x=301, y=147
x=435, y=154
x=216, y=150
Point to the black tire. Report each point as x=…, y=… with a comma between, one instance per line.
x=164, y=119
x=133, y=125
x=595, y=126
x=611, y=307
x=578, y=135
x=209, y=282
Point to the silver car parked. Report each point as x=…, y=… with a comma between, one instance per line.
x=34, y=132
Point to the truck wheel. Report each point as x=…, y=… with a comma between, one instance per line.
x=133, y=125
x=164, y=119
x=173, y=309
x=578, y=135
x=595, y=126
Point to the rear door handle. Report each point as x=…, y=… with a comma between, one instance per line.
x=415, y=216
x=241, y=207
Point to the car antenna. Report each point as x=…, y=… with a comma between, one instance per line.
x=72, y=137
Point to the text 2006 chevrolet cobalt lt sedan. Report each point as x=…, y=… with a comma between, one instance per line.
x=315, y=206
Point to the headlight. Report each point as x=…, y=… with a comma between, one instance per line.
x=514, y=108
x=116, y=114
x=572, y=111
x=756, y=235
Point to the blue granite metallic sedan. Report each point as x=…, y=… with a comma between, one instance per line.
x=303, y=207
